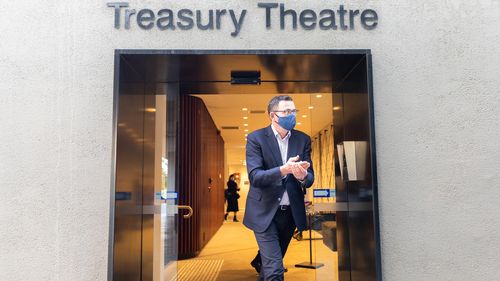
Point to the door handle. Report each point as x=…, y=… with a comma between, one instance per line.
x=190, y=211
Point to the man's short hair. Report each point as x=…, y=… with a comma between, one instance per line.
x=273, y=103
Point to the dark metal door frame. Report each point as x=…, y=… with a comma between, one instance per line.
x=116, y=82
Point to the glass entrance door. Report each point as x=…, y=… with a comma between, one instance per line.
x=342, y=214
x=315, y=118
x=146, y=206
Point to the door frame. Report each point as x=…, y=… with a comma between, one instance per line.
x=116, y=91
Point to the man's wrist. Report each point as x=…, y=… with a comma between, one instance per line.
x=283, y=171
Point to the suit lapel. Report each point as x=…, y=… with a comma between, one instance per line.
x=273, y=143
x=292, y=146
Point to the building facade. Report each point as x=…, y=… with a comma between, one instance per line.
x=436, y=108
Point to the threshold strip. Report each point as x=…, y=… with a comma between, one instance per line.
x=198, y=270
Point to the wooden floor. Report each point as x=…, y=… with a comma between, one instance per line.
x=235, y=246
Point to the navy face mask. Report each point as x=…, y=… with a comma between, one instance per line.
x=287, y=122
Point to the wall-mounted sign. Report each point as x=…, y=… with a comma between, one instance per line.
x=166, y=195
x=323, y=193
x=122, y=196
x=339, y=18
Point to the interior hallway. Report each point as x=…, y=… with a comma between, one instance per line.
x=227, y=257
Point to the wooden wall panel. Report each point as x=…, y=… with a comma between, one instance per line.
x=201, y=186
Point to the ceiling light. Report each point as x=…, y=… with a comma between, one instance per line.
x=121, y=124
x=246, y=125
x=246, y=130
x=319, y=96
x=246, y=135
x=150, y=109
x=304, y=116
x=311, y=107
x=244, y=109
x=336, y=108
x=299, y=123
x=244, y=117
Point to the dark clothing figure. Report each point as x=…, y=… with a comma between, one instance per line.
x=232, y=196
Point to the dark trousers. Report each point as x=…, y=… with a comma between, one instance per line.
x=273, y=243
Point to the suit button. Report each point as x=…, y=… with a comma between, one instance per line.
x=279, y=199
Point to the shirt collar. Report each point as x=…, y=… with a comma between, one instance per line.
x=277, y=135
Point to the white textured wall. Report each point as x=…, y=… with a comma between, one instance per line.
x=437, y=110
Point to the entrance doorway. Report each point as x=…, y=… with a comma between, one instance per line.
x=173, y=154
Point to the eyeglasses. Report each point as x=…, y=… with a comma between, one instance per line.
x=288, y=111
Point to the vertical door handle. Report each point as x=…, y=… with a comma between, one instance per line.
x=190, y=211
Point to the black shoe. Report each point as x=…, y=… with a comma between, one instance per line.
x=225, y=217
x=286, y=269
x=257, y=265
x=236, y=220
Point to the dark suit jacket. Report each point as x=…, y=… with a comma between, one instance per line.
x=266, y=184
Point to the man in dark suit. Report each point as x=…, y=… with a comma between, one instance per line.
x=279, y=167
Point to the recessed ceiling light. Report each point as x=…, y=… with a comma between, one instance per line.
x=245, y=117
x=150, y=109
x=246, y=135
x=121, y=124
x=244, y=109
x=311, y=107
x=299, y=123
x=319, y=96
x=336, y=108
x=304, y=116
x=246, y=125
x=246, y=130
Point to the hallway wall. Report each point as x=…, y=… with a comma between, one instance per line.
x=200, y=176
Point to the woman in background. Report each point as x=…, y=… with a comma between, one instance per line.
x=232, y=196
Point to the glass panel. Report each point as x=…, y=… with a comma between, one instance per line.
x=169, y=195
x=320, y=198
x=146, y=205
x=162, y=227
x=128, y=197
x=162, y=112
x=354, y=182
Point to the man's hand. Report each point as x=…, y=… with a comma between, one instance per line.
x=299, y=172
x=287, y=168
x=304, y=164
x=298, y=169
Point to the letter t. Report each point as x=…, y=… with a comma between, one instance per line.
x=117, y=6
x=268, y=7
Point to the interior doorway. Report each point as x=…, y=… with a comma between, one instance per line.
x=180, y=131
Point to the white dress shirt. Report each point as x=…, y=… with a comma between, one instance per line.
x=283, y=145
